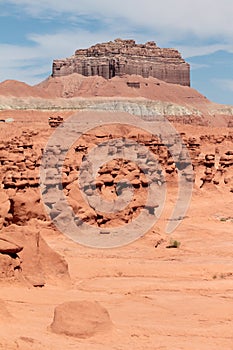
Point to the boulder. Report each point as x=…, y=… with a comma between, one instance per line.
x=81, y=319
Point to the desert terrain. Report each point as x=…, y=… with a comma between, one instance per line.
x=159, y=291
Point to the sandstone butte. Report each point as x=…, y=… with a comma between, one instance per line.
x=161, y=291
x=121, y=57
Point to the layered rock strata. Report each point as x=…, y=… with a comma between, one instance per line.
x=120, y=57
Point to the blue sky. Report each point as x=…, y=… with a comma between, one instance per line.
x=33, y=33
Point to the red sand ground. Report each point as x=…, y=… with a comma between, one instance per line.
x=157, y=298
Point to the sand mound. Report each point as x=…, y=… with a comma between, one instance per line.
x=81, y=319
x=76, y=85
x=20, y=89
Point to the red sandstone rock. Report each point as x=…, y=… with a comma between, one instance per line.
x=39, y=263
x=8, y=245
x=81, y=319
x=122, y=57
x=27, y=205
x=9, y=266
x=4, y=206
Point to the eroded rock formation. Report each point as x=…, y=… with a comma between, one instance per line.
x=112, y=178
x=20, y=161
x=24, y=255
x=120, y=57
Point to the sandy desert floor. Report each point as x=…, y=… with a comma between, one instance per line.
x=157, y=298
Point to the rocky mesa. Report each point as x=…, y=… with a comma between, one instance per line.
x=120, y=57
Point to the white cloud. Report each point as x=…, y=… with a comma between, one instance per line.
x=25, y=63
x=202, y=50
x=202, y=18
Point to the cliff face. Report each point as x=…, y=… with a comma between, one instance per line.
x=122, y=57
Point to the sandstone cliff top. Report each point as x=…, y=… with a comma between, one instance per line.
x=127, y=47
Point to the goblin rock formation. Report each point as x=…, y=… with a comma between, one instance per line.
x=122, y=57
x=20, y=160
x=23, y=253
